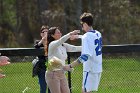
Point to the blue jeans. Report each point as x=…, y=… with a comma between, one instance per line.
x=42, y=82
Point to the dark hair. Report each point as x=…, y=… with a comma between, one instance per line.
x=44, y=27
x=50, y=33
x=86, y=18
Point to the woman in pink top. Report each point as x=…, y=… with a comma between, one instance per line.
x=55, y=77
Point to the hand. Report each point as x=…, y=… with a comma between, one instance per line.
x=44, y=38
x=67, y=68
x=75, y=32
x=73, y=37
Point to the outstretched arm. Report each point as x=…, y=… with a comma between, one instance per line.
x=83, y=58
x=72, y=48
x=53, y=45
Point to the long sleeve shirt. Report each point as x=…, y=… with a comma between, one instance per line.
x=59, y=49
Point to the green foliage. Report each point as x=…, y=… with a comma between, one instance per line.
x=9, y=14
x=113, y=18
x=7, y=39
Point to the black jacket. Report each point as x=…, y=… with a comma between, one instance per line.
x=42, y=58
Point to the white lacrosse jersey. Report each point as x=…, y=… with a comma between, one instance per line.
x=92, y=46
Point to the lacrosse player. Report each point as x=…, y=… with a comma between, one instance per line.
x=91, y=55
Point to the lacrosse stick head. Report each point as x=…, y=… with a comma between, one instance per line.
x=4, y=60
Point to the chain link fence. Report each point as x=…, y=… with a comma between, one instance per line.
x=121, y=71
x=121, y=74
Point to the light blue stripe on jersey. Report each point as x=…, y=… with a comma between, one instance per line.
x=85, y=81
x=83, y=58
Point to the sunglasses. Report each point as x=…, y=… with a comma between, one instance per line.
x=44, y=31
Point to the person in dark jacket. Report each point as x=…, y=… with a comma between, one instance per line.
x=42, y=59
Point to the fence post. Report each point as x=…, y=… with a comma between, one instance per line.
x=69, y=75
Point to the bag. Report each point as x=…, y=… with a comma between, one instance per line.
x=36, y=67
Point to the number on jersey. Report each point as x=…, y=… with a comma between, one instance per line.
x=98, y=49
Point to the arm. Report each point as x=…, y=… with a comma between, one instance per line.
x=81, y=59
x=53, y=45
x=56, y=43
x=73, y=37
x=41, y=43
x=75, y=63
x=72, y=48
x=70, y=66
x=38, y=44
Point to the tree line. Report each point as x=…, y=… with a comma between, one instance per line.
x=20, y=20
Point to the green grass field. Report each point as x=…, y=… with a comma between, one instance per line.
x=120, y=75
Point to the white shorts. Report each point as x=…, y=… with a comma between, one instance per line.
x=91, y=81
